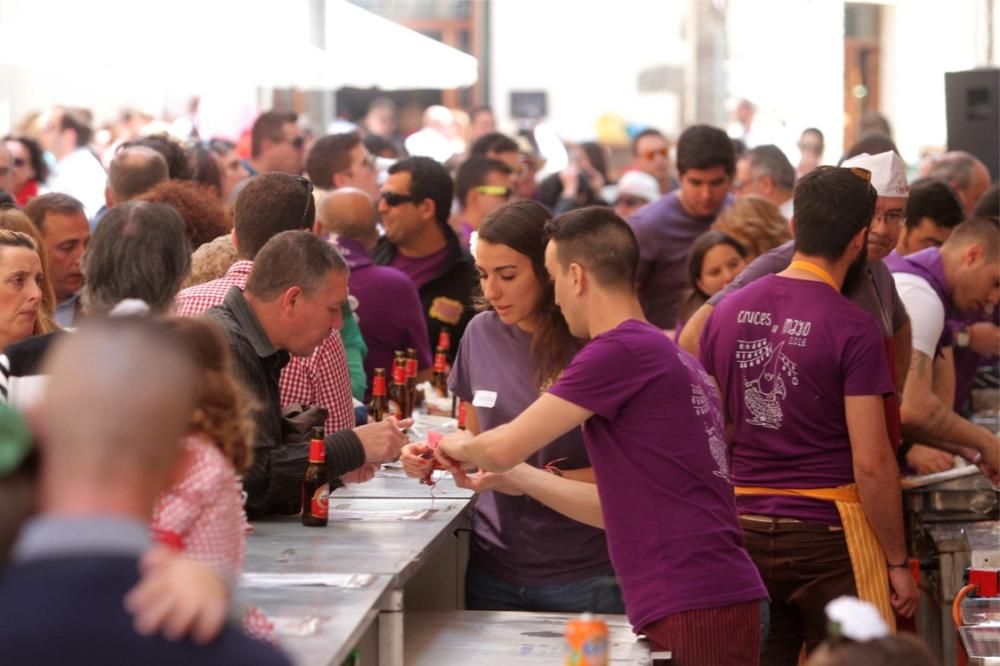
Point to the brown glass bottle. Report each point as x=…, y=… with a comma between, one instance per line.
x=397, y=392
x=411, y=379
x=316, y=485
x=444, y=340
x=439, y=380
x=461, y=414
x=379, y=406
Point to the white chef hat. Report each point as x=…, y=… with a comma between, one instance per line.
x=888, y=172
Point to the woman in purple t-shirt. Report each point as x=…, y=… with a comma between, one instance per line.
x=524, y=555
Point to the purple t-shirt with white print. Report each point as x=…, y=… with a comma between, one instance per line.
x=656, y=443
x=785, y=353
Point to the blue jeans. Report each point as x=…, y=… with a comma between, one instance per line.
x=599, y=594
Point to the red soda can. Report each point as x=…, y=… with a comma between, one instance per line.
x=586, y=641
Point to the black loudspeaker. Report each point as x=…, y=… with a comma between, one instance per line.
x=973, y=109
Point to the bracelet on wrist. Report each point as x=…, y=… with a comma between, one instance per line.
x=905, y=564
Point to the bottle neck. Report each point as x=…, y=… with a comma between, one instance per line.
x=317, y=451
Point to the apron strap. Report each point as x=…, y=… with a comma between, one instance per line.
x=871, y=575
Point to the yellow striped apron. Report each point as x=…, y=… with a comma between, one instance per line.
x=871, y=575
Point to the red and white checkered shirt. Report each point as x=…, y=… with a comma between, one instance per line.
x=202, y=514
x=321, y=379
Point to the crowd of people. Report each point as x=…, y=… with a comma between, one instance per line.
x=691, y=391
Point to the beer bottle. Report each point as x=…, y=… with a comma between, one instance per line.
x=411, y=379
x=379, y=407
x=397, y=392
x=461, y=414
x=315, y=485
x=439, y=380
x=444, y=340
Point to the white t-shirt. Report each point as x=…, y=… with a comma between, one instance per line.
x=925, y=309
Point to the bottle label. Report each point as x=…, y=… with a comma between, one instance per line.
x=440, y=363
x=411, y=367
x=399, y=374
x=319, y=503
x=378, y=386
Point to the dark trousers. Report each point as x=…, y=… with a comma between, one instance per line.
x=725, y=636
x=599, y=594
x=804, y=566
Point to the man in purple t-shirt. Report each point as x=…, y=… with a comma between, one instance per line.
x=803, y=375
x=350, y=215
x=654, y=436
x=667, y=227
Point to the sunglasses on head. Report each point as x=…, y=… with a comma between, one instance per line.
x=393, y=199
x=494, y=190
x=308, y=187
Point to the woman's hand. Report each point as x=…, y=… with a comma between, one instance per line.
x=414, y=465
x=482, y=481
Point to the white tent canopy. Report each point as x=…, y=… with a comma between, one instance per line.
x=198, y=43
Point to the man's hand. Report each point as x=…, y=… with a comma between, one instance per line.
x=482, y=481
x=984, y=338
x=903, y=594
x=178, y=597
x=925, y=460
x=383, y=440
x=362, y=474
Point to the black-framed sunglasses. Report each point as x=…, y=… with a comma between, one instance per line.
x=393, y=199
x=308, y=186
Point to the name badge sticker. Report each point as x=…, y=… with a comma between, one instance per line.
x=484, y=399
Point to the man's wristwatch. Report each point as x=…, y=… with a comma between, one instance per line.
x=962, y=337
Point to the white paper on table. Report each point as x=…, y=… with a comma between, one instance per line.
x=406, y=514
x=345, y=581
x=297, y=626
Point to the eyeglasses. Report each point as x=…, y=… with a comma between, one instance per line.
x=393, y=199
x=892, y=218
x=630, y=202
x=493, y=190
x=308, y=187
x=650, y=154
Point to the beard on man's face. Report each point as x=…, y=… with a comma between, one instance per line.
x=856, y=271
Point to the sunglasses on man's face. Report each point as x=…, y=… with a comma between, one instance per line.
x=296, y=142
x=650, y=155
x=494, y=190
x=393, y=199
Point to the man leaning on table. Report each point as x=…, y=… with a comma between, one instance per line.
x=292, y=301
x=654, y=434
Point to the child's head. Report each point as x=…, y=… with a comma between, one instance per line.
x=223, y=405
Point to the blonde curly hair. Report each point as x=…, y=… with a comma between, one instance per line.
x=224, y=409
x=756, y=223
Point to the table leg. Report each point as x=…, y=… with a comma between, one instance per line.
x=390, y=631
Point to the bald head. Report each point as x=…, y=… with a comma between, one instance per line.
x=120, y=396
x=968, y=176
x=349, y=212
x=134, y=170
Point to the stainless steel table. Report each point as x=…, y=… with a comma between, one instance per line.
x=492, y=638
x=391, y=537
x=318, y=625
x=392, y=483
